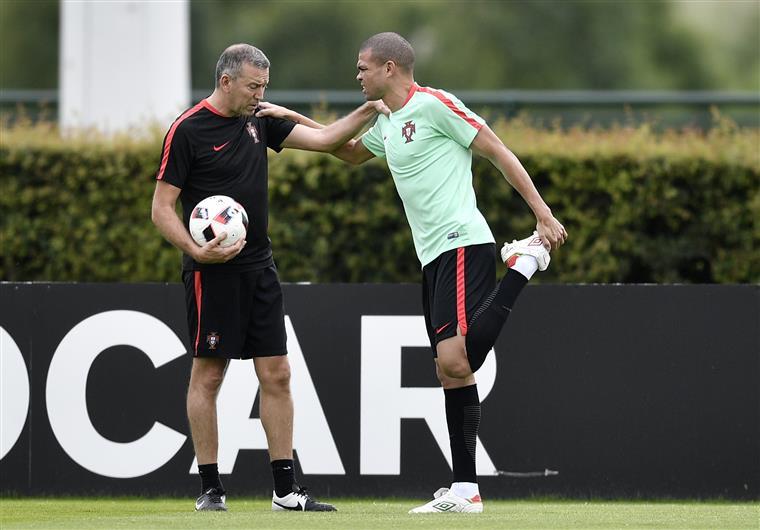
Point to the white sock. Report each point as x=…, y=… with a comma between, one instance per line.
x=526, y=265
x=466, y=490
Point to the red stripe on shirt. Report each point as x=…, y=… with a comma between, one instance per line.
x=213, y=109
x=170, y=136
x=412, y=90
x=198, y=298
x=461, y=308
x=451, y=105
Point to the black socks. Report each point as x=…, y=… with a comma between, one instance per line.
x=209, y=477
x=489, y=318
x=282, y=470
x=463, y=420
x=284, y=477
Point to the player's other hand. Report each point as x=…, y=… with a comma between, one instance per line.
x=551, y=232
x=213, y=252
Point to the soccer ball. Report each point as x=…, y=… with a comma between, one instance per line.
x=217, y=214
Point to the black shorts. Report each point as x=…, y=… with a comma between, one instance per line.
x=235, y=315
x=454, y=285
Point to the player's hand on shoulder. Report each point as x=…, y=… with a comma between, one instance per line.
x=380, y=107
x=266, y=109
x=551, y=232
x=213, y=252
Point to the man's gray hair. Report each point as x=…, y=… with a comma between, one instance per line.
x=232, y=59
x=390, y=46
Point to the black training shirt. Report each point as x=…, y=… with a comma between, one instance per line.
x=205, y=153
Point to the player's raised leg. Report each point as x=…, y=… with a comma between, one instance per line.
x=522, y=258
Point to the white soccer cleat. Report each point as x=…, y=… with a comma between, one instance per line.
x=530, y=246
x=445, y=501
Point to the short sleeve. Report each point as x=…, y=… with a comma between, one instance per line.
x=277, y=130
x=453, y=119
x=373, y=138
x=176, y=157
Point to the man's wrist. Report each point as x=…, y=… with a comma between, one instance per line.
x=543, y=213
x=193, y=251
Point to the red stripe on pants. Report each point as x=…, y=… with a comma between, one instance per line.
x=461, y=308
x=198, y=297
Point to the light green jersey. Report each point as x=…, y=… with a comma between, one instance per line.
x=427, y=146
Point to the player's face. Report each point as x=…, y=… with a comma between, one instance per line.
x=371, y=76
x=248, y=89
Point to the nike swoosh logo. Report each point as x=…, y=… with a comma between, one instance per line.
x=296, y=508
x=437, y=331
x=220, y=147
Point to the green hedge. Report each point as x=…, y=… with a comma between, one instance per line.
x=639, y=207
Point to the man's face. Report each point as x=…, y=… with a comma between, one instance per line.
x=371, y=75
x=247, y=89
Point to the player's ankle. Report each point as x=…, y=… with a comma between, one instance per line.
x=524, y=264
x=466, y=490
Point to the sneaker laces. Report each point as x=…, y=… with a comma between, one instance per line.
x=440, y=492
x=301, y=491
x=215, y=495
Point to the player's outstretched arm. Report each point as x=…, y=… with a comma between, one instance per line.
x=164, y=216
x=332, y=136
x=278, y=111
x=353, y=151
x=488, y=145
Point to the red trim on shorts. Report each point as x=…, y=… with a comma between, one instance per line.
x=170, y=137
x=198, y=297
x=461, y=308
x=451, y=105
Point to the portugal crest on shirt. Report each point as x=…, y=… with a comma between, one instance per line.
x=253, y=132
x=408, y=130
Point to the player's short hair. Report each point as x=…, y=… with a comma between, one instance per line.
x=232, y=59
x=389, y=46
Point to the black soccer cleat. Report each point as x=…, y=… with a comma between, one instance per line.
x=300, y=501
x=212, y=500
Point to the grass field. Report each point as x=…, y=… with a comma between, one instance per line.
x=109, y=513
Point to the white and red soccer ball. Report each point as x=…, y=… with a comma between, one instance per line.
x=217, y=214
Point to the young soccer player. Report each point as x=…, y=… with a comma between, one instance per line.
x=428, y=138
